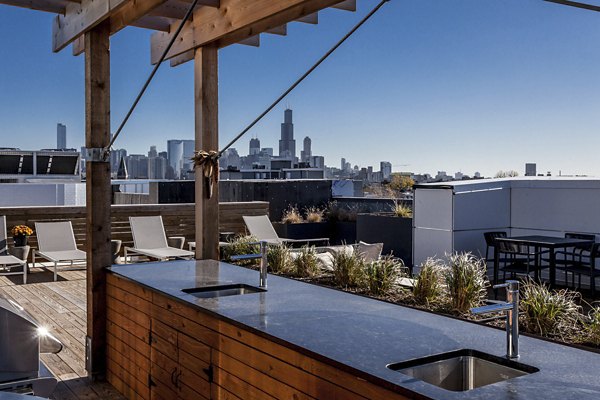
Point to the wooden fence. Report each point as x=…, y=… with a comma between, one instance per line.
x=178, y=219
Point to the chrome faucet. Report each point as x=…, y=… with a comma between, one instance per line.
x=512, y=316
x=262, y=281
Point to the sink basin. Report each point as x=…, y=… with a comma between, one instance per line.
x=462, y=370
x=206, y=292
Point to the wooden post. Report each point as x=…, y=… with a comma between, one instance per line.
x=98, y=193
x=206, y=108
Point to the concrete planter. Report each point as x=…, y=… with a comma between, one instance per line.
x=394, y=232
x=307, y=230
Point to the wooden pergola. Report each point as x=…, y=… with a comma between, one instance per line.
x=88, y=25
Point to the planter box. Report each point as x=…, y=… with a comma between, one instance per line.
x=342, y=232
x=394, y=232
x=307, y=230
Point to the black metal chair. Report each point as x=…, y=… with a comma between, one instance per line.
x=584, y=265
x=490, y=243
x=566, y=257
x=518, y=259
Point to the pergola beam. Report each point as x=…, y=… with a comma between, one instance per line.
x=233, y=21
x=347, y=5
x=52, y=6
x=81, y=18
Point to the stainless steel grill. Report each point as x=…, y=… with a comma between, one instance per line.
x=22, y=340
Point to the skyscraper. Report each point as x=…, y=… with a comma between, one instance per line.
x=61, y=136
x=287, y=144
x=306, y=153
x=180, y=153
x=530, y=169
x=386, y=170
x=254, y=146
x=175, y=152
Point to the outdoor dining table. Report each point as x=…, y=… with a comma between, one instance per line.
x=541, y=242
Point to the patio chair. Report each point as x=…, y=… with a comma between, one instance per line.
x=8, y=261
x=260, y=226
x=56, y=243
x=584, y=265
x=490, y=243
x=149, y=240
x=518, y=259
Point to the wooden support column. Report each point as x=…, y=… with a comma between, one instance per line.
x=98, y=193
x=206, y=109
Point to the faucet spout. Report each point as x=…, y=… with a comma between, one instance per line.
x=262, y=282
x=511, y=307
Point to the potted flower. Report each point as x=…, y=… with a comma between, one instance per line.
x=20, y=234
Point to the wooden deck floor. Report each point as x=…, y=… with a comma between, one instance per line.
x=61, y=307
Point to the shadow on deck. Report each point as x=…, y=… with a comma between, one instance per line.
x=61, y=307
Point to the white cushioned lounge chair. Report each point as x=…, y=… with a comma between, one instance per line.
x=8, y=261
x=56, y=243
x=260, y=227
x=149, y=240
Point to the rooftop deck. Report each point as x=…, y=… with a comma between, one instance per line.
x=60, y=306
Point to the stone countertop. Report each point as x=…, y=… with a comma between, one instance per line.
x=363, y=335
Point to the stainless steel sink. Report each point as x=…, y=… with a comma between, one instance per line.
x=206, y=292
x=462, y=370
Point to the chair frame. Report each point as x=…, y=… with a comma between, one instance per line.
x=271, y=236
x=50, y=255
x=7, y=260
x=520, y=257
x=147, y=252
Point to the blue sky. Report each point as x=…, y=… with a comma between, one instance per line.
x=454, y=85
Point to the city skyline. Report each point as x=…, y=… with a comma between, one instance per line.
x=445, y=97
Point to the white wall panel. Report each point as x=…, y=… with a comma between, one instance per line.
x=433, y=208
x=556, y=209
x=430, y=243
x=487, y=209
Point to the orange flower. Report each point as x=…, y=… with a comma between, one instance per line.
x=21, y=230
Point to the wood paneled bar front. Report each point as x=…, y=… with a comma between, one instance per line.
x=162, y=348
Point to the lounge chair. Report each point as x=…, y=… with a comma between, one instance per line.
x=7, y=261
x=149, y=240
x=260, y=226
x=56, y=243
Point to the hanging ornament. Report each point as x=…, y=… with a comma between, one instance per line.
x=209, y=162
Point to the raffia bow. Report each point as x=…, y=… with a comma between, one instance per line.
x=209, y=162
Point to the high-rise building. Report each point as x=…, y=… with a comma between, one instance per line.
x=317, y=162
x=175, y=152
x=343, y=164
x=157, y=168
x=306, y=152
x=115, y=158
x=61, y=136
x=180, y=153
x=137, y=166
x=287, y=144
x=152, y=153
x=189, y=147
x=254, y=146
x=386, y=170
x=230, y=159
x=530, y=169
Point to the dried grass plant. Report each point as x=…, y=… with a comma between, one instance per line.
x=466, y=282
x=428, y=290
x=292, y=216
